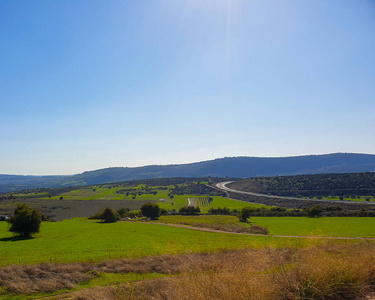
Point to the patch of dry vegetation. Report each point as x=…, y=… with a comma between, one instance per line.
x=49, y=277
x=326, y=271
x=320, y=272
x=238, y=228
x=46, y=277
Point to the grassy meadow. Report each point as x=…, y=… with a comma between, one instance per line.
x=80, y=239
x=294, y=226
x=86, y=240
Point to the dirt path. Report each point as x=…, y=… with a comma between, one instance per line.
x=268, y=235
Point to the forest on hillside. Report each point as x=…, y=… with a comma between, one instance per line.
x=316, y=185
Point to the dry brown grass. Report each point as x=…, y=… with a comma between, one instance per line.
x=254, y=229
x=327, y=271
x=319, y=272
x=49, y=277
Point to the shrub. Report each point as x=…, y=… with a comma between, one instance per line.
x=189, y=210
x=135, y=214
x=256, y=229
x=219, y=211
x=107, y=215
x=26, y=221
x=163, y=212
x=245, y=214
x=315, y=211
x=151, y=210
x=123, y=212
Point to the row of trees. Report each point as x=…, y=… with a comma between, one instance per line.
x=108, y=215
x=26, y=221
x=148, y=210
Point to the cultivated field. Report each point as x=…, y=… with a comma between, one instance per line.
x=64, y=203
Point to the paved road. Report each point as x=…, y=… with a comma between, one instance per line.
x=223, y=186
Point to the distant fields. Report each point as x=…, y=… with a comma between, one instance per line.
x=162, y=196
x=65, y=203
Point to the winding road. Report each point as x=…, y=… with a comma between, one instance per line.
x=223, y=186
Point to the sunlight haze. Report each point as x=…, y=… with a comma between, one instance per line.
x=94, y=84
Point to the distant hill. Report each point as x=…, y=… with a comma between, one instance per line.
x=238, y=167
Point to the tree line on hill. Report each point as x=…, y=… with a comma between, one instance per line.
x=347, y=185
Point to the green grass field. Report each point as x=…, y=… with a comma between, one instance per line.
x=329, y=226
x=84, y=240
x=112, y=193
x=299, y=226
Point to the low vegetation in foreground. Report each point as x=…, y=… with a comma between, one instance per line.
x=326, y=271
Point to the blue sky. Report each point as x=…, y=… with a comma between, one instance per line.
x=91, y=84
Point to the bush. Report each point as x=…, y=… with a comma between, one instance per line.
x=256, y=229
x=189, y=210
x=26, y=221
x=151, y=210
x=163, y=212
x=315, y=211
x=219, y=211
x=107, y=215
x=123, y=212
x=245, y=214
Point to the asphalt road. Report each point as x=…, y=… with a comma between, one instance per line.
x=222, y=186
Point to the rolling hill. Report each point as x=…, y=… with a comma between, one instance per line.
x=238, y=167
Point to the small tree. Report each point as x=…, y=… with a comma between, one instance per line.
x=25, y=221
x=245, y=214
x=315, y=211
x=107, y=215
x=151, y=210
x=189, y=210
x=123, y=212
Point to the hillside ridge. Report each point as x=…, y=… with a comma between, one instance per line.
x=235, y=167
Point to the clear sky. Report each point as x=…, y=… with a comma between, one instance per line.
x=89, y=84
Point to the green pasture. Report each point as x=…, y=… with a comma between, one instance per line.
x=325, y=226
x=107, y=193
x=85, y=240
x=299, y=226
